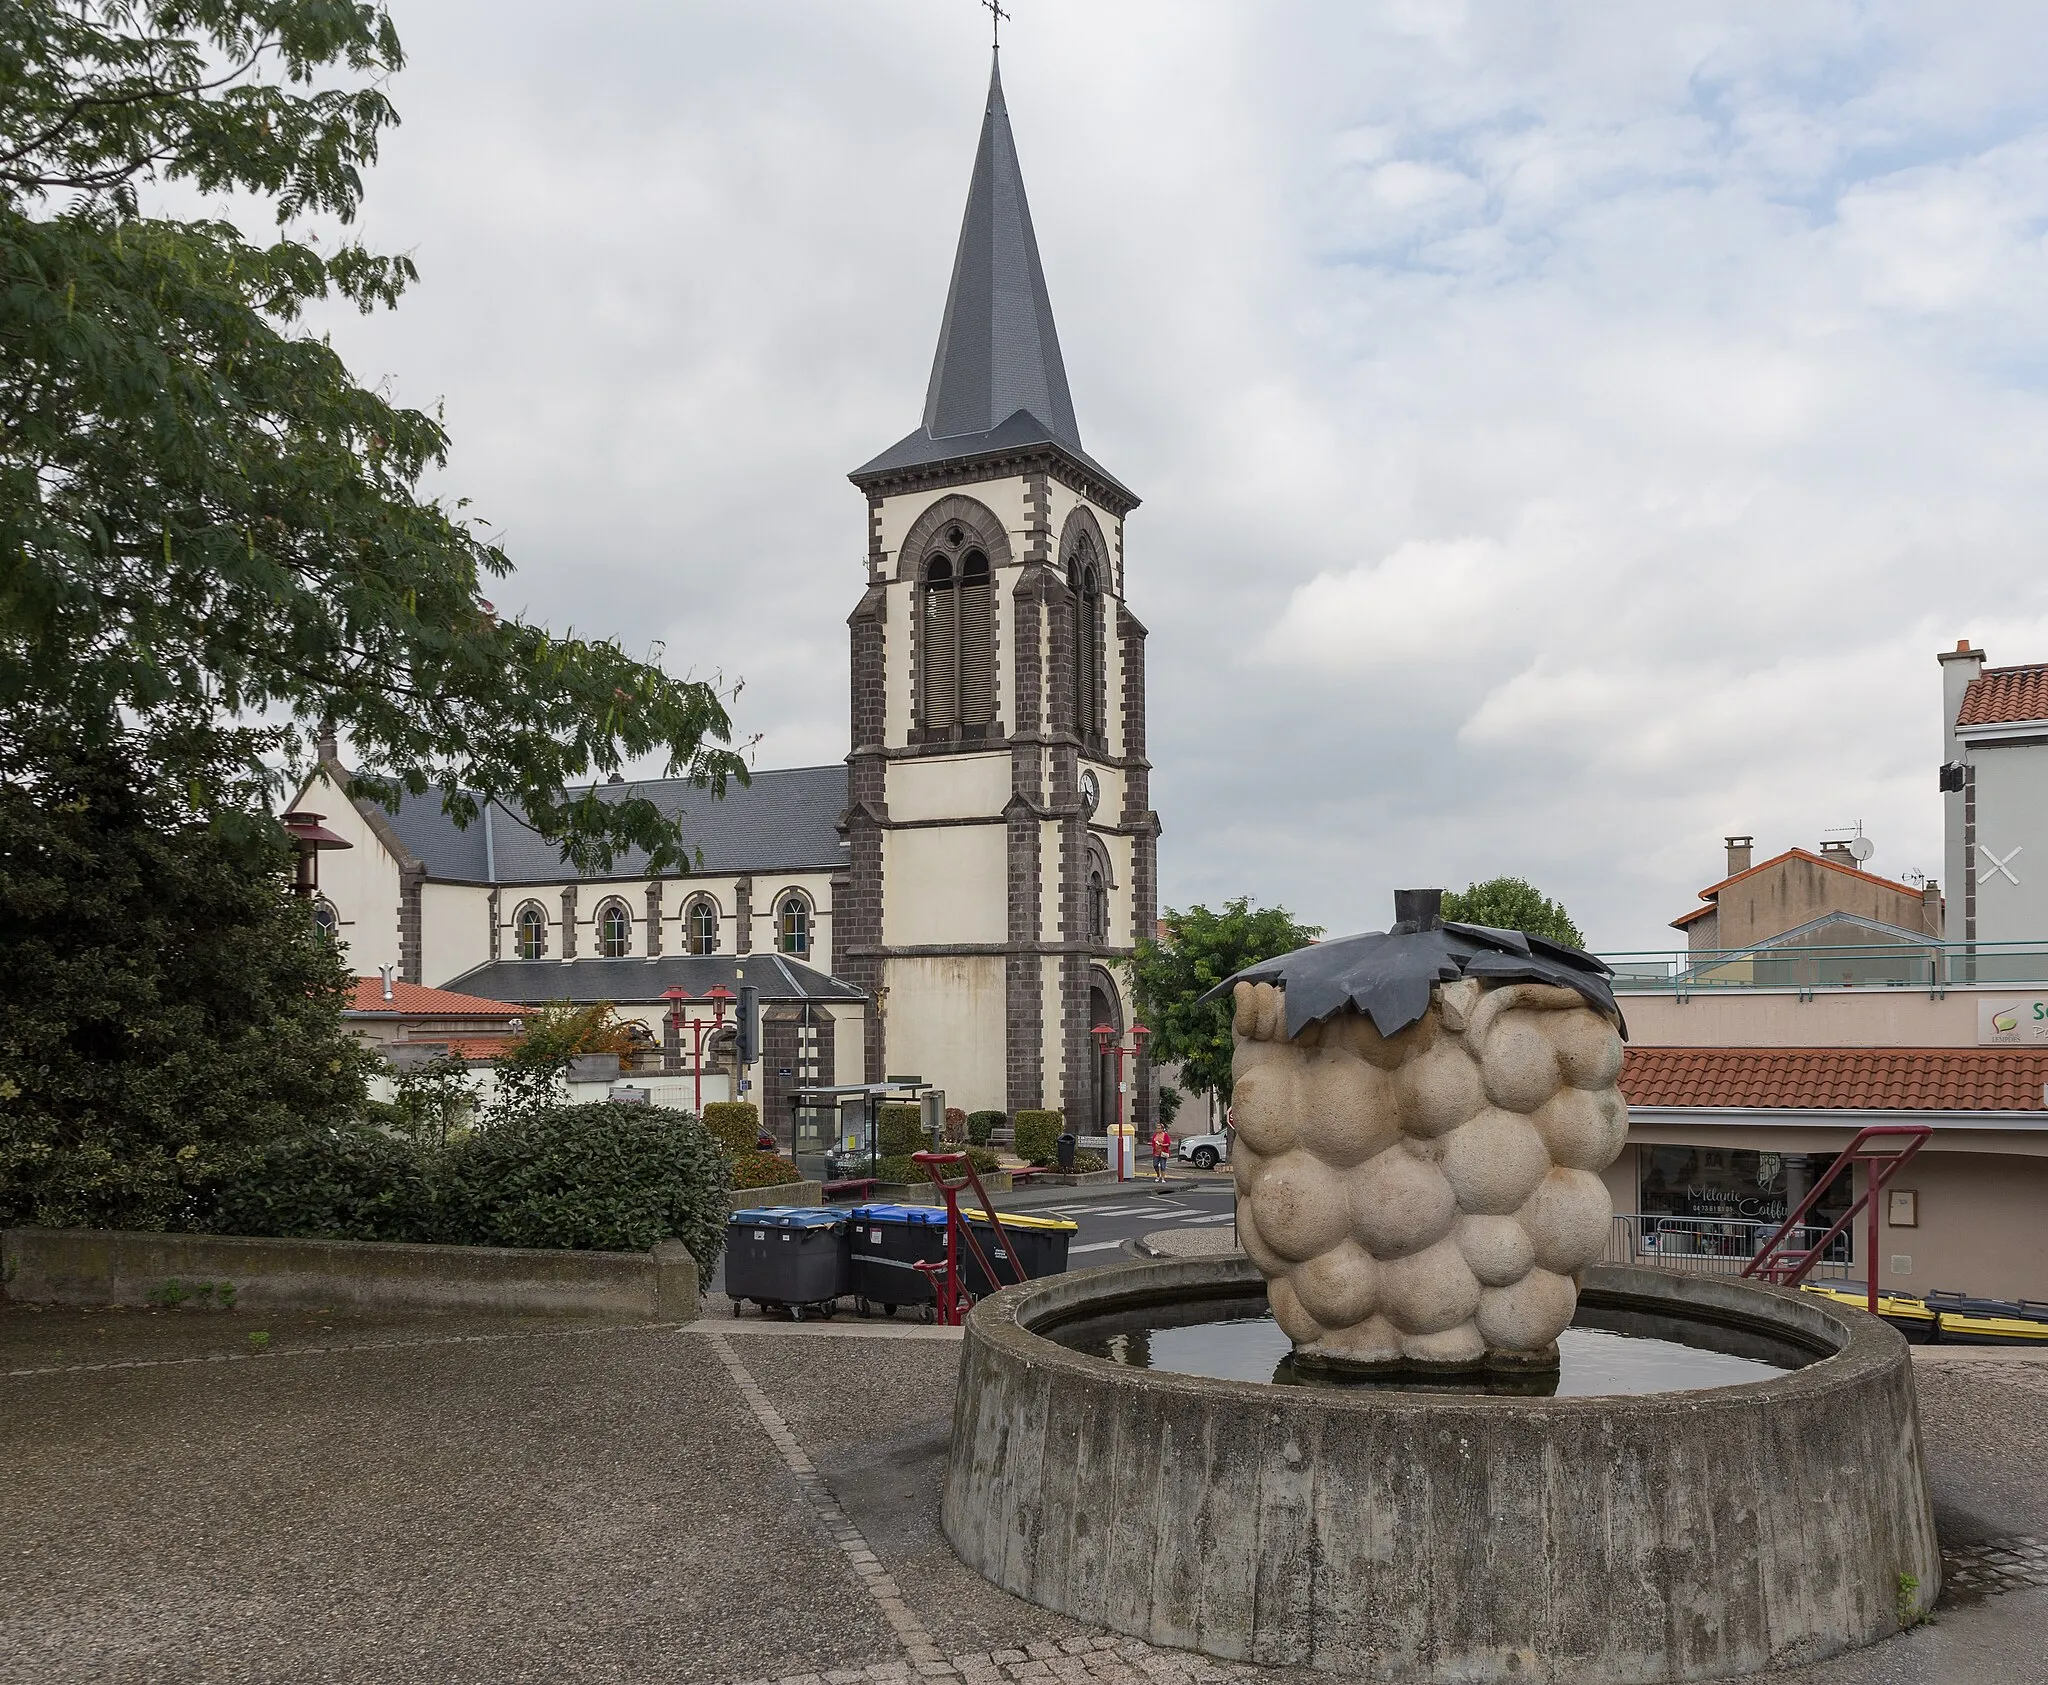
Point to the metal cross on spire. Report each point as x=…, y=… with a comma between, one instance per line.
x=996, y=15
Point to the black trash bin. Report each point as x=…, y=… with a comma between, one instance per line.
x=1064, y=1150
x=792, y=1259
x=886, y=1244
x=1041, y=1244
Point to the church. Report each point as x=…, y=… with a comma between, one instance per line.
x=954, y=902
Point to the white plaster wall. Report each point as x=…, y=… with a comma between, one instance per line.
x=946, y=1018
x=2012, y=812
x=1049, y=882
x=1052, y=1041
x=896, y=666
x=849, y=1044
x=949, y=786
x=455, y=930
x=1004, y=497
x=361, y=880
x=949, y=885
x=1842, y=1018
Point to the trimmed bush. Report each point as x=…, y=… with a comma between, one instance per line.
x=900, y=1129
x=334, y=1184
x=735, y=1123
x=1038, y=1135
x=982, y=1125
x=1086, y=1162
x=598, y=1177
x=763, y=1170
x=903, y=1168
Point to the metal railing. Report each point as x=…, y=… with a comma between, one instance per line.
x=1835, y=965
x=1712, y=1245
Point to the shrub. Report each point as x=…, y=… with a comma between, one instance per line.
x=982, y=1125
x=735, y=1123
x=901, y=1167
x=763, y=1170
x=598, y=1177
x=1169, y=1102
x=1085, y=1162
x=1038, y=1136
x=332, y=1184
x=901, y=1130
x=956, y=1124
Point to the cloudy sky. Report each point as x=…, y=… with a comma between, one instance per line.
x=1567, y=433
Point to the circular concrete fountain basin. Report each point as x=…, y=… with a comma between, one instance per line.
x=1431, y=1536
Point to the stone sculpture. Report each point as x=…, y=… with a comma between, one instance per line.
x=1422, y=1119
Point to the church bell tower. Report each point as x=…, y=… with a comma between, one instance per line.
x=1001, y=833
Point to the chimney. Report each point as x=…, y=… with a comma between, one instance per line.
x=1930, y=908
x=1739, y=849
x=1837, y=850
x=385, y=972
x=1958, y=667
x=326, y=746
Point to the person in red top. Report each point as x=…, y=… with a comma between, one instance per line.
x=1162, y=1150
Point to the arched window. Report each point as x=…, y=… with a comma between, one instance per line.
x=325, y=919
x=530, y=927
x=614, y=931
x=1087, y=624
x=957, y=681
x=700, y=926
x=793, y=925
x=1098, y=908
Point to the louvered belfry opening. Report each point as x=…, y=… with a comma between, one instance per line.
x=958, y=679
x=1088, y=653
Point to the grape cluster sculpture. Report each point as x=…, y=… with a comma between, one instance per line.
x=1422, y=1119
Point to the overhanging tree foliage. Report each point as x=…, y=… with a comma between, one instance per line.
x=201, y=513
x=1201, y=949
x=1512, y=904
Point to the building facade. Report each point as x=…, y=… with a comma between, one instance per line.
x=1001, y=838
x=955, y=901
x=1994, y=783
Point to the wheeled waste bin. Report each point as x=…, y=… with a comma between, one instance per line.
x=792, y=1259
x=1041, y=1244
x=886, y=1244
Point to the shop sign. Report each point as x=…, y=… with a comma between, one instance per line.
x=2013, y=1023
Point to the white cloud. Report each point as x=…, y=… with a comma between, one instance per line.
x=1567, y=433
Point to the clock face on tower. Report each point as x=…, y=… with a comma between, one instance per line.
x=1091, y=793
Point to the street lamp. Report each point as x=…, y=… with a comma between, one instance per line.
x=1110, y=1039
x=718, y=995
x=308, y=838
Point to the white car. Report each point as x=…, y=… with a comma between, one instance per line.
x=1204, y=1152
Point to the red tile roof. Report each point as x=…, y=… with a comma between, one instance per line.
x=1712, y=892
x=2000, y=694
x=1909, y=1079
x=409, y=1000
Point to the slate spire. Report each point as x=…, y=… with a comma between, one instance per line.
x=998, y=349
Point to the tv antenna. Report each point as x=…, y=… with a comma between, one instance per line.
x=1858, y=847
x=996, y=15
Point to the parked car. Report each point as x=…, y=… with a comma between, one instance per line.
x=1205, y=1152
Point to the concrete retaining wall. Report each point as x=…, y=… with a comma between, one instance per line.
x=108, y=1267
x=781, y=1194
x=1391, y=1535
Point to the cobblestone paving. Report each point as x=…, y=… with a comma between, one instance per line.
x=1996, y=1565
x=1074, y=1661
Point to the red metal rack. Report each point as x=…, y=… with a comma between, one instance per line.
x=954, y=1300
x=1789, y=1264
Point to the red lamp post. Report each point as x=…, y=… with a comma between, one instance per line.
x=718, y=996
x=309, y=837
x=1111, y=1042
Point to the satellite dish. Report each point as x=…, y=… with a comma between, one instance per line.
x=1861, y=849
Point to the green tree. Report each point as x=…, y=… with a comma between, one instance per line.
x=1201, y=949
x=1512, y=904
x=202, y=514
x=164, y=1005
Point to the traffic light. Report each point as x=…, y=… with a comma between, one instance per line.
x=748, y=1025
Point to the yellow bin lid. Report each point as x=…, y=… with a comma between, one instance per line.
x=975, y=1215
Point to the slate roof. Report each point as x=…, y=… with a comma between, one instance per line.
x=998, y=380
x=409, y=1000
x=2003, y=695
x=1910, y=1079
x=783, y=822
x=582, y=981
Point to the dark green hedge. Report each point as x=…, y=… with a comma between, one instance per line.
x=981, y=1125
x=737, y=1123
x=599, y=1178
x=763, y=1170
x=901, y=1130
x=1038, y=1135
